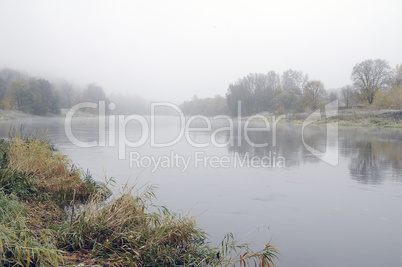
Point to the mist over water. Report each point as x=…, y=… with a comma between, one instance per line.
x=325, y=196
x=318, y=214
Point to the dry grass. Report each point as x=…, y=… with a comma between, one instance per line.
x=122, y=231
x=43, y=214
x=49, y=171
x=19, y=245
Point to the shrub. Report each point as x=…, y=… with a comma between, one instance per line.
x=389, y=99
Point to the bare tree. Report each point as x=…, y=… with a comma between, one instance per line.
x=332, y=96
x=292, y=84
x=94, y=93
x=348, y=96
x=370, y=76
x=266, y=84
x=67, y=93
x=314, y=94
x=294, y=81
x=242, y=90
x=395, y=78
x=10, y=75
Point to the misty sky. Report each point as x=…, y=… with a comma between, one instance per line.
x=172, y=50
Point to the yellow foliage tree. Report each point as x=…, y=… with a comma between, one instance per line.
x=389, y=99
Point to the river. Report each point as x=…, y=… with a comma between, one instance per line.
x=345, y=212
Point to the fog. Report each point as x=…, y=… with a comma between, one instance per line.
x=173, y=50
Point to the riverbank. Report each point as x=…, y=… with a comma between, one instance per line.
x=356, y=118
x=53, y=214
x=344, y=118
x=6, y=115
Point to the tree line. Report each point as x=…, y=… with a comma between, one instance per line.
x=19, y=91
x=205, y=106
x=374, y=84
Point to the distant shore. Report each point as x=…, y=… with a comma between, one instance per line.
x=356, y=118
x=6, y=115
x=347, y=118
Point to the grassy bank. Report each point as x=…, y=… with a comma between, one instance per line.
x=53, y=214
x=6, y=115
x=357, y=118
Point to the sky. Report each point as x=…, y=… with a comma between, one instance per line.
x=173, y=50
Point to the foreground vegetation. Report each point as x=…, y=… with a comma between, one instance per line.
x=53, y=214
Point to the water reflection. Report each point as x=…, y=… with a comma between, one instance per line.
x=371, y=152
x=285, y=142
x=365, y=167
x=308, y=194
x=373, y=155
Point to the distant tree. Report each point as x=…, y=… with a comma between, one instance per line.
x=66, y=94
x=332, y=96
x=290, y=96
x=395, y=77
x=46, y=98
x=349, y=96
x=130, y=104
x=370, y=76
x=22, y=96
x=10, y=75
x=206, y=106
x=259, y=92
x=266, y=84
x=294, y=81
x=5, y=102
x=314, y=95
x=277, y=101
x=3, y=89
x=286, y=100
x=94, y=93
x=241, y=91
x=388, y=99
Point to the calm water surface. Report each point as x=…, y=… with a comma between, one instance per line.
x=318, y=214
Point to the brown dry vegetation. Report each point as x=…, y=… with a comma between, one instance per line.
x=49, y=171
x=38, y=229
